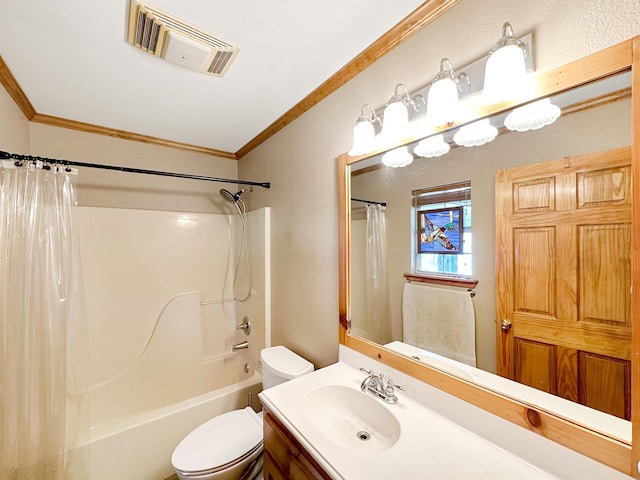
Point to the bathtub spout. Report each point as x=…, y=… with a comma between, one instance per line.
x=240, y=346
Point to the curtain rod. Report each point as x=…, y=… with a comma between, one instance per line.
x=384, y=204
x=70, y=163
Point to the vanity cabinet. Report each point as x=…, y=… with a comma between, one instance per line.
x=284, y=457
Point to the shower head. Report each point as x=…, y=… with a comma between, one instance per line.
x=231, y=197
x=227, y=195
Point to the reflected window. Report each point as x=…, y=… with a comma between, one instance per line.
x=442, y=230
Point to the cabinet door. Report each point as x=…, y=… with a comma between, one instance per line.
x=299, y=471
x=270, y=470
x=285, y=459
x=276, y=444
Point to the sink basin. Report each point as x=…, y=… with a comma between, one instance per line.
x=352, y=419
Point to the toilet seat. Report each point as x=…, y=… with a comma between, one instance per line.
x=219, y=443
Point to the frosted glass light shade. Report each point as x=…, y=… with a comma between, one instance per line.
x=505, y=77
x=475, y=134
x=395, y=123
x=532, y=116
x=364, y=138
x=399, y=157
x=432, y=147
x=442, y=103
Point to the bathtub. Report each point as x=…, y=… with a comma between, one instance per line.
x=139, y=447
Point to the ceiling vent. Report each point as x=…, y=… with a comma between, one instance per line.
x=178, y=42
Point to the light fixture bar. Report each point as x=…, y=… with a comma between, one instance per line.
x=475, y=72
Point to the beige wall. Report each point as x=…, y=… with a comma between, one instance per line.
x=14, y=127
x=115, y=189
x=300, y=159
x=105, y=188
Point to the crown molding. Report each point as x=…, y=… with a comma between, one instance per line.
x=15, y=91
x=125, y=135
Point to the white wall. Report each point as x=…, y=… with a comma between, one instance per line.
x=105, y=188
x=300, y=159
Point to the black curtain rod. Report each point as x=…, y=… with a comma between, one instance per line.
x=384, y=204
x=70, y=163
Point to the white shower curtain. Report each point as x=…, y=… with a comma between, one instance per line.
x=377, y=308
x=43, y=340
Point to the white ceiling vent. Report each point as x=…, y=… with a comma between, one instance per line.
x=178, y=42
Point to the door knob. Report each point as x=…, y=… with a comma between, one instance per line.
x=505, y=324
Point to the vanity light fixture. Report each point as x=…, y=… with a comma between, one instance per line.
x=443, y=107
x=395, y=119
x=430, y=147
x=506, y=80
x=505, y=76
x=364, y=135
x=475, y=134
x=398, y=157
x=533, y=116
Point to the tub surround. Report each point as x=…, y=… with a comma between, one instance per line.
x=162, y=321
x=429, y=443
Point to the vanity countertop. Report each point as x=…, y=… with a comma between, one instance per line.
x=429, y=446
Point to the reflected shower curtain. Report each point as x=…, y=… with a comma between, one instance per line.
x=43, y=340
x=377, y=309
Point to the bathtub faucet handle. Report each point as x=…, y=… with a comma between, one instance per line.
x=245, y=326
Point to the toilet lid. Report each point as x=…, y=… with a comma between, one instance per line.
x=219, y=441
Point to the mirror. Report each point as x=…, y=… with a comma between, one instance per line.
x=587, y=126
x=596, y=117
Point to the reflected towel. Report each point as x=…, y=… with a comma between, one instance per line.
x=440, y=320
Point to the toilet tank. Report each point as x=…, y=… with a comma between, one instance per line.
x=280, y=364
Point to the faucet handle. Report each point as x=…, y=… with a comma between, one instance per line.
x=390, y=389
x=245, y=326
x=369, y=379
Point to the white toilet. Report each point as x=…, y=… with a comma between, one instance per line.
x=229, y=446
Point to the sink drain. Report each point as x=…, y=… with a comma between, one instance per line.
x=362, y=435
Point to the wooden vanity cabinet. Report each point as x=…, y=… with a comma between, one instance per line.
x=284, y=457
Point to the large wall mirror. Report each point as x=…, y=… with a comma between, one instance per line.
x=589, y=156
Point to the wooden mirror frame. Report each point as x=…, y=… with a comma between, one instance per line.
x=609, y=451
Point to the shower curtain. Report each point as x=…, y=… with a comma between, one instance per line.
x=43, y=340
x=377, y=308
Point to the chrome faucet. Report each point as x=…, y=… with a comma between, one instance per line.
x=374, y=384
x=240, y=346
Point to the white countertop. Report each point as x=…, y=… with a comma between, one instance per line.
x=604, y=423
x=430, y=445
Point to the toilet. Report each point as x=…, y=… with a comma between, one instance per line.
x=229, y=446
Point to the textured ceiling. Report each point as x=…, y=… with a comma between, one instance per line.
x=72, y=60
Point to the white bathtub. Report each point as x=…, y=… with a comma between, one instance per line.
x=139, y=447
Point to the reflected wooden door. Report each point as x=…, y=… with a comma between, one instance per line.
x=563, y=278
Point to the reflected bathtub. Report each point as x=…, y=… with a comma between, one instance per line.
x=139, y=447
